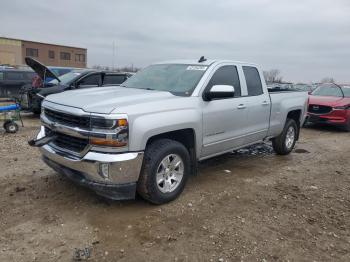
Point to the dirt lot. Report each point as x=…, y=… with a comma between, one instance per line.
x=255, y=207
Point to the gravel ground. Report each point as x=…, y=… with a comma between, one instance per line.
x=251, y=205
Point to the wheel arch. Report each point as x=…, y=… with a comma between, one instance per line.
x=186, y=136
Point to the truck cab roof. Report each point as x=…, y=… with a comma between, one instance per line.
x=208, y=62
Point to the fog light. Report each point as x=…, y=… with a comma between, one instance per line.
x=104, y=170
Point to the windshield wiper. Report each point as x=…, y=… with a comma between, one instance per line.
x=147, y=88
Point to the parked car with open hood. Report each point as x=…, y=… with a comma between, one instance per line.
x=330, y=104
x=75, y=79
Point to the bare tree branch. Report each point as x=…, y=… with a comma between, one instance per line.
x=273, y=76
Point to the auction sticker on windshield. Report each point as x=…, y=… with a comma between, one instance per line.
x=200, y=68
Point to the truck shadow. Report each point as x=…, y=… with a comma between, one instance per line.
x=262, y=149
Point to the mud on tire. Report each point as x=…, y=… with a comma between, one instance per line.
x=279, y=143
x=155, y=153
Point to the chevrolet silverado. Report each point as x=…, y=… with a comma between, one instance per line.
x=148, y=134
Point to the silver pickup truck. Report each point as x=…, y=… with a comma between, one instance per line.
x=147, y=135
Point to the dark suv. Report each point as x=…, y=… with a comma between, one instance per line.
x=76, y=79
x=11, y=81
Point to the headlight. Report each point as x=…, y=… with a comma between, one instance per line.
x=117, y=139
x=346, y=107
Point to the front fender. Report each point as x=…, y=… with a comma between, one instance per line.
x=144, y=127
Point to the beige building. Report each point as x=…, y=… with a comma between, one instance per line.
x=13, y=52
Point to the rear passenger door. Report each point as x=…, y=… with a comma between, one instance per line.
x=224, y=120
x=258, y=105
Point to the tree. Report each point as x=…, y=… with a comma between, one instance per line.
x=273, y=76
x=328, y=80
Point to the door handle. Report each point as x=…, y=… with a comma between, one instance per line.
x=241, y=106
x=265, y=103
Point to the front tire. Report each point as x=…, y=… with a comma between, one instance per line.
x=165, y=169
x=285, y=142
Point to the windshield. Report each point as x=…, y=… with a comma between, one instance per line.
x=346, y=91
x=179, y=79
x=66, y=79
x=328, y=90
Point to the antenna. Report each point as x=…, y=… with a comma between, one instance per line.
x=202, y=59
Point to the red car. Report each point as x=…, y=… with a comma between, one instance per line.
x=330, y=104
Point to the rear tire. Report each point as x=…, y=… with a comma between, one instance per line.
x=165, y=169
x=5, y=123
x=285, y=142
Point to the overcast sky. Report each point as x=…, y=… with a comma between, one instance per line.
x=306, y=39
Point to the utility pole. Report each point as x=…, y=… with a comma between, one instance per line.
x=113, y=54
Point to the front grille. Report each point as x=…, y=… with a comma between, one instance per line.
x=67, y=142
x=68, y=119
x=319, y=109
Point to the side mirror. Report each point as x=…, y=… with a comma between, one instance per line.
x=220, y=92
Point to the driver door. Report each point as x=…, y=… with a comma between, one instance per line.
x=224, y=120
x=92, y=80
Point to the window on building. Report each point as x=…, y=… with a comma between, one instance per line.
x=51, y=54
x=79, y=58
x=226, y=75
x=65, y=56
x=253, y=81
x=1, y=75
x=32, y=52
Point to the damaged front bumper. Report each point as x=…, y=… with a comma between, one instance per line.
x=113, y=176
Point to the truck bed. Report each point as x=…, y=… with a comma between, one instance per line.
x=283, y=101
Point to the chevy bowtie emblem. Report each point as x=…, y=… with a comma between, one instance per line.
x=316, y=107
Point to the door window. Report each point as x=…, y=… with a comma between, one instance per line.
x=14, y=76
x=91, y=81
x=253, y=81
x=29, y=75
x=113, y=79
x=226, y=75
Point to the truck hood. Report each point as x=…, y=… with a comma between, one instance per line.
x=103, y=100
